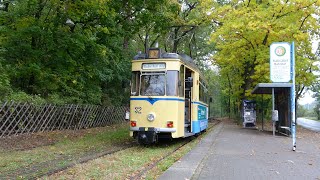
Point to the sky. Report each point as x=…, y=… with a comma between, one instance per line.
x=307, y=98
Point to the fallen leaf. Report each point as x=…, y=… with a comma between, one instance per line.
x=291, y=161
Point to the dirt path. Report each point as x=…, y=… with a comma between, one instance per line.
x=233, y=152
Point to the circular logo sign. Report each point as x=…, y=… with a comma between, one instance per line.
x=280, y=51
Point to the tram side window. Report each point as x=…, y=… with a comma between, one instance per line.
x=181, y=78
x=135, y=81
x=172, y=83
x=205, y=96
x=206, y=93
x=201, y=91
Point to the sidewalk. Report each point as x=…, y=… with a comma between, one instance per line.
x=231, y=152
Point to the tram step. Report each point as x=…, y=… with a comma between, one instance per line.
x=187, y=134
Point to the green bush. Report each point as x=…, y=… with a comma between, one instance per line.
x=23, y=97
x=5, y=88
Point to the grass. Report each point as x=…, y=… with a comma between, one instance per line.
x=120, y=165
x=166, y=163
x=72, y=149
x=127, y=163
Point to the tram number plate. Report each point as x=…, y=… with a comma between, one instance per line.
x=137, y=110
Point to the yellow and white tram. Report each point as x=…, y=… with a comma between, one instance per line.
x=168, y=97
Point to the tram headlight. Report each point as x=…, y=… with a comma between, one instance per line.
x=151, y=117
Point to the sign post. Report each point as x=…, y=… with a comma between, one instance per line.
x=282, y=70
x=293, y=98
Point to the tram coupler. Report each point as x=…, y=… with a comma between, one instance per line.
x=147, y=137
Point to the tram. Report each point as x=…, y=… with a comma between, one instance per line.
x=169, y=97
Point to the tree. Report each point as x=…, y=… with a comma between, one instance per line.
x=64, y=48
x=301, y=111
x=187, y=21
x=79, y=51
x=316, y=89
x=245, y=31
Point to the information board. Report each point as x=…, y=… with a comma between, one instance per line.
x=280, y=62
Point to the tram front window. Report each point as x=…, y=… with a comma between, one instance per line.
x=153, y=84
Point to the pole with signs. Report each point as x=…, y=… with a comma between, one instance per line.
x=273, y=120
x=282, y=70
x=293, y=98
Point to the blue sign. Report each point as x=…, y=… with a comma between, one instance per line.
x=202, y=112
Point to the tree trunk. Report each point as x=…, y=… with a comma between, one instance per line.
x=175, y=40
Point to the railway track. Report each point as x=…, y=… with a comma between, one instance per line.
x=36, y=170
x=90, y=157
x=155, y=163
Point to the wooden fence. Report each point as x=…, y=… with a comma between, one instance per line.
x=19, y=118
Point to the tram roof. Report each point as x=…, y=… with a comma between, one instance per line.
x=183, y=57
x=167, y=56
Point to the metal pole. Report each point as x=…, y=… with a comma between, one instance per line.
x=293, y=99
x=262, y=111
x=220, y=107
x=273, y=122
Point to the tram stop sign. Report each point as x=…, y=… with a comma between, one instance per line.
x=280, y=62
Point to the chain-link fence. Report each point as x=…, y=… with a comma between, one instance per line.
x=19, y=118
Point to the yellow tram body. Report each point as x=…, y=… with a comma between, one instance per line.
x=167, y=98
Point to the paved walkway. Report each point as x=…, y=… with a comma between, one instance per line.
x=231, y=152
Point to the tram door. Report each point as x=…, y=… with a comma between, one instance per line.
x=188, y=98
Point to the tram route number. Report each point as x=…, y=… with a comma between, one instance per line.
x=138, y=110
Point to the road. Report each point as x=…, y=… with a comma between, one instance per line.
x=309, y=124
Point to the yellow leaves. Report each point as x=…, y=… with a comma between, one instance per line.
x=301, y=36
x=244, y=38
x=303, y=73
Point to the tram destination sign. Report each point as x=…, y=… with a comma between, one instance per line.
x=153, y=66
x=280, y=62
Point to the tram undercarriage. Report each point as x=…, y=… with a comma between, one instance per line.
x=146, y=137
x=151, y=136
